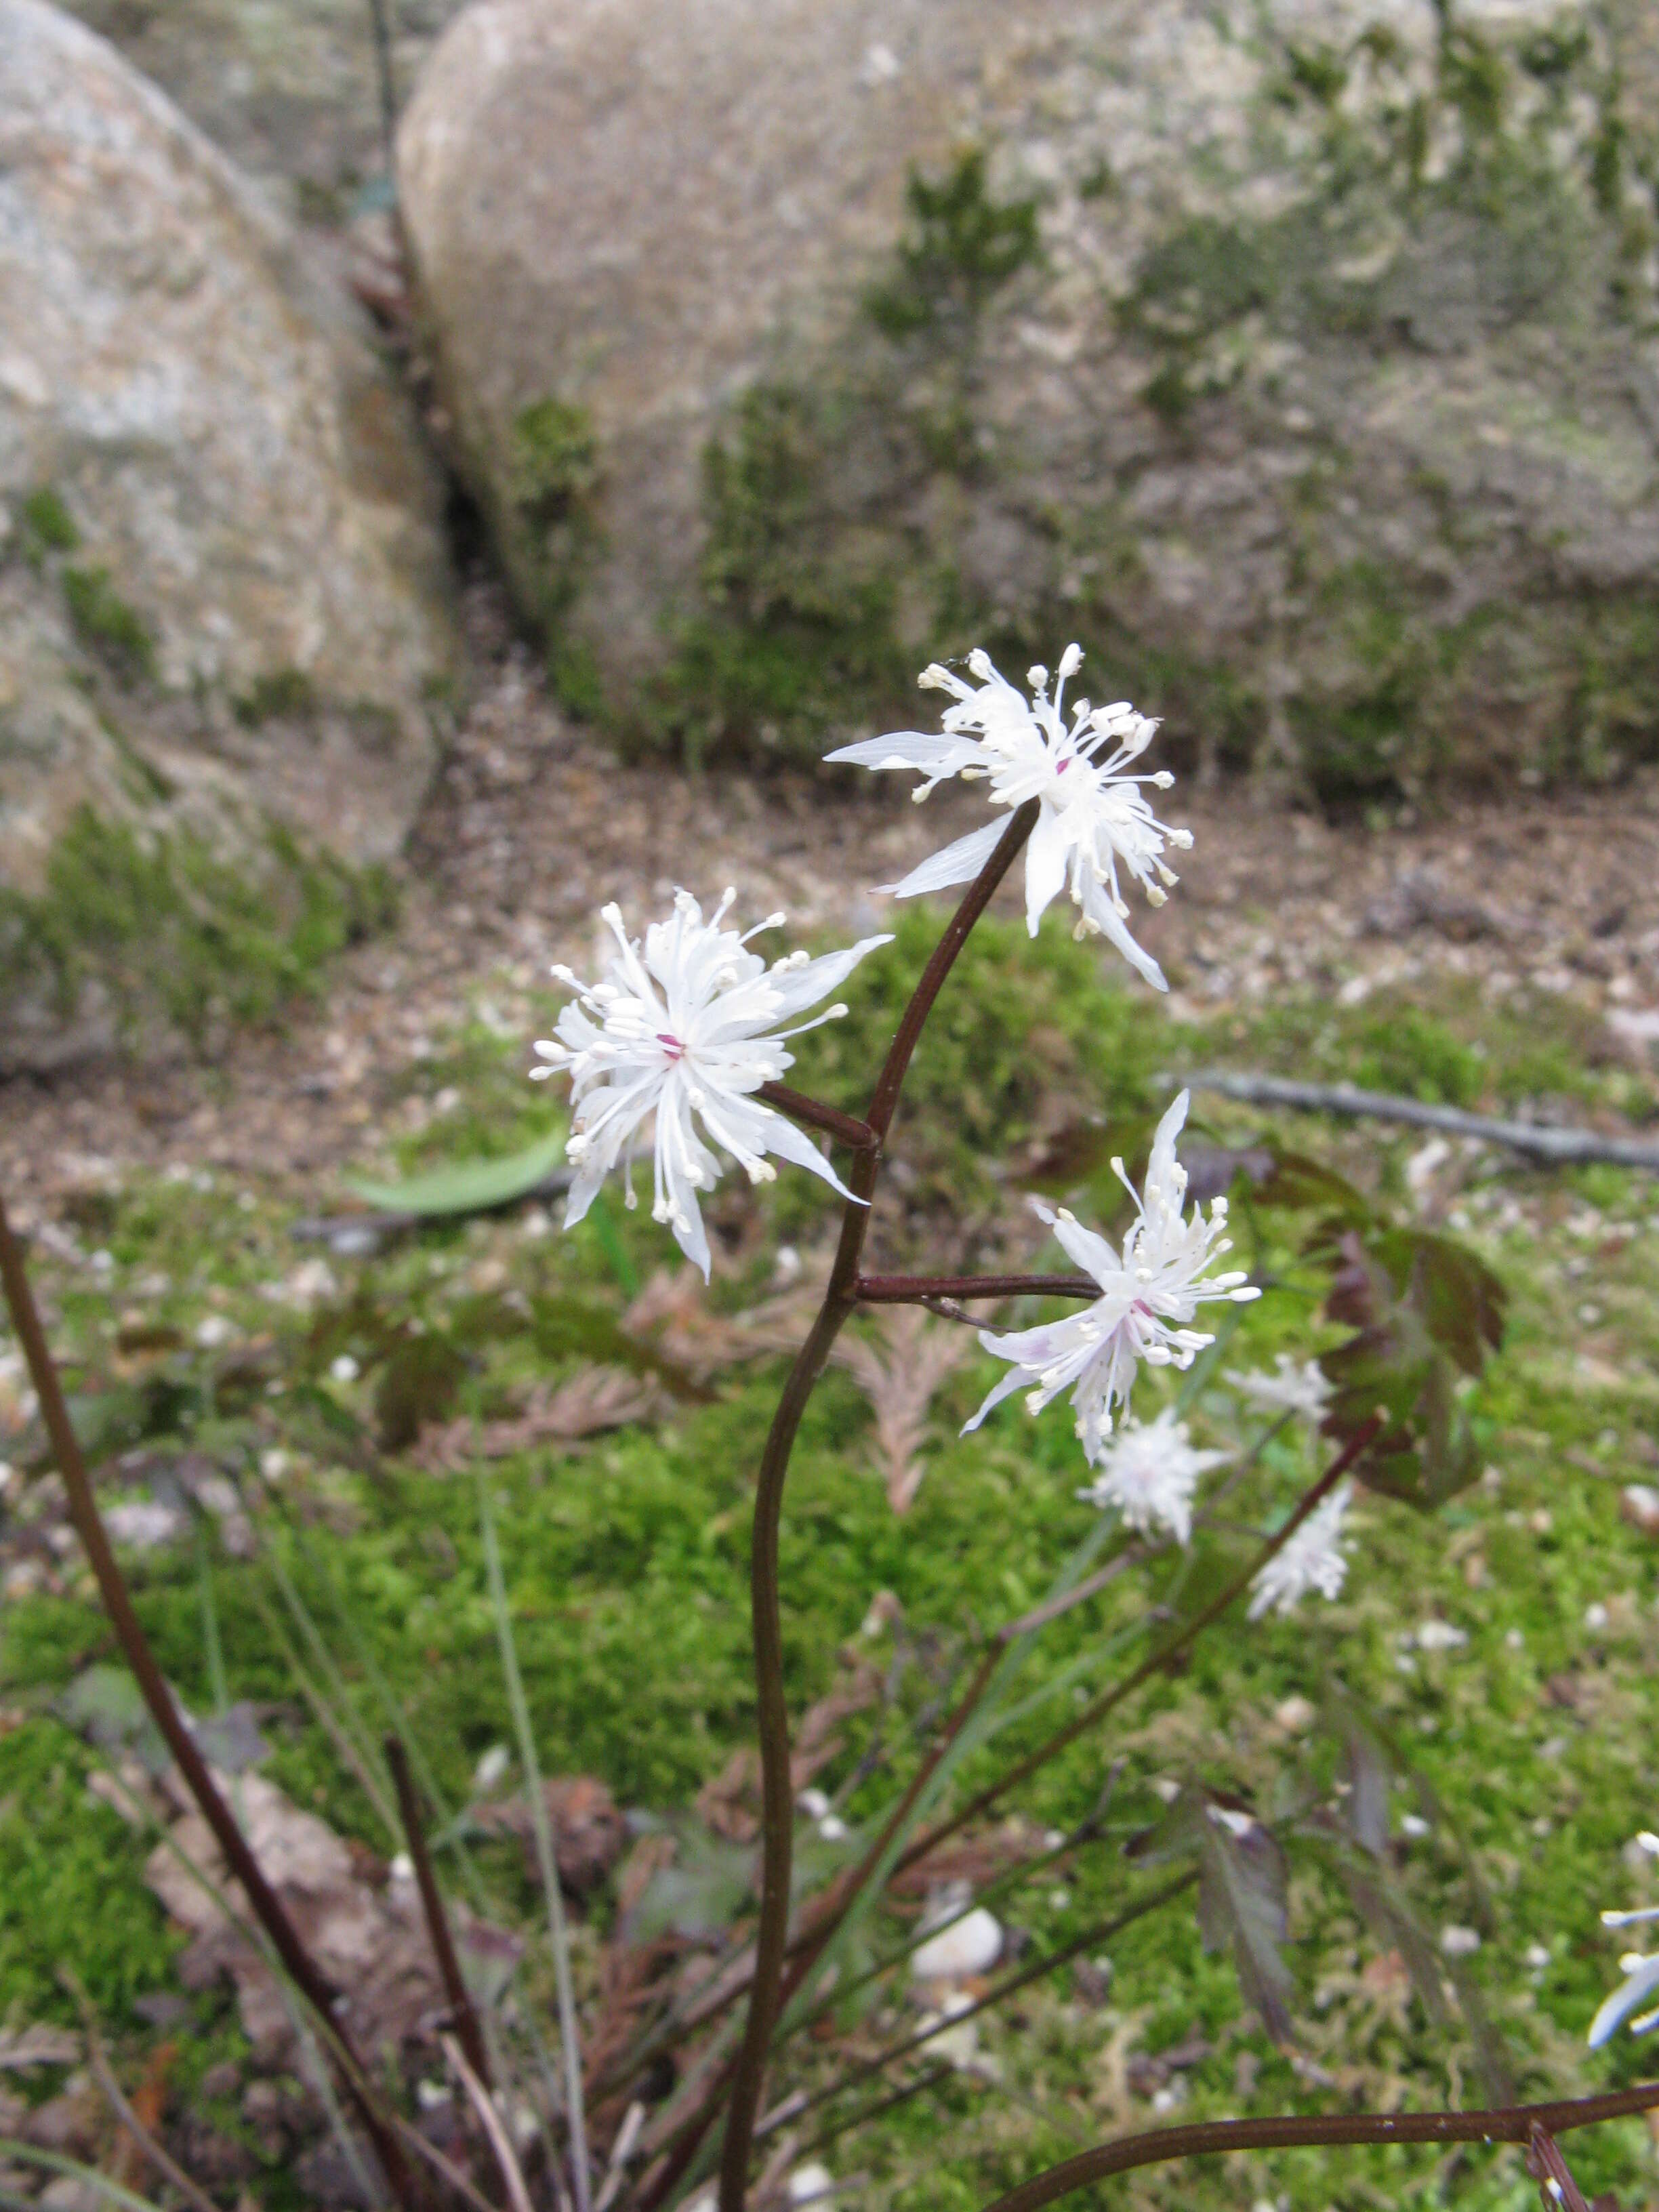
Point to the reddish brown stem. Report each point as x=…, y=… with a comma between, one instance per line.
x=840, y=1300
x=1158, y=2146
x=263, y=1900
x=817, y=1115
x=469, y=2032
x=1560, y=2191
x=1356, y=1448
x=916, y=1290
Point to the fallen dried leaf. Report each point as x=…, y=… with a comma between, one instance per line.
x=370, y=1941
x=899, y=1369
x=586, y=1403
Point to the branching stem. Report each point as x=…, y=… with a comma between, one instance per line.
x=840, y=1300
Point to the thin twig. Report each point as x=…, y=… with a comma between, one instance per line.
x=1091, y=1586
x=621, y=2150
x=1560, y=2191
x=437, y=1922
x=266, y=1907
x=464, y=2189
x=1291, y=2132
x=1357, y=1445
x=840, y=1301
x=1020, y=1979
x=1559, y=1148
x=546, y=1857
x=104, y=2074
x=817, y=1115
x=491, y=2121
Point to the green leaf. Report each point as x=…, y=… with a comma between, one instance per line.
x=468, y=1186
x=1241, y=1892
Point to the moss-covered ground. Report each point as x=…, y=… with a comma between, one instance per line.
x=186, y=1309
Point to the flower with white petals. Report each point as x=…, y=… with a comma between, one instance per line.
x=686, y=1024
x=1095, y=818
x=1298, y=1387
x=1150, y=1293
x=1149, y=1472
x=1313, y=1558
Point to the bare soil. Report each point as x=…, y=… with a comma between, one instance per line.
x=532, y=826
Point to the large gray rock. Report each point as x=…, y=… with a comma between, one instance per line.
x=1297, y=356
x=224, y=591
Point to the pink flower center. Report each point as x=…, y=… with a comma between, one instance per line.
x=670, y=1045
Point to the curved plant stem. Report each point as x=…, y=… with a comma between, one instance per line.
x=263, y=1900
x=840, y=1300
x=1503, y=2124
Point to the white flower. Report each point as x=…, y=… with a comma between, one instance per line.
x=686, y=1024
x=1094, y=816
x=1312, y=1559
x=1149, y=1471
x=1149, y=1293
x=1298, y=1387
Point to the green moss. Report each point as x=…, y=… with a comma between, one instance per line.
x=797, y=613
x=960, y=248
x=172, y=931
x=554, y=462
x=283, y=694
x=114, y=633
x=74, y=1894
x=48, y=523
x=552, y=476
x=1024, y=1030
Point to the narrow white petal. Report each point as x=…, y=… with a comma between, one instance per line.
x=935, y=752
x=1045, y=866
x=1631, y=1993
x=1017, y=1378
x=957, y=864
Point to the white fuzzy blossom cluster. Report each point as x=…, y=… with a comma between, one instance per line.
x=1150, y=1292
x=1095, y=818
x=1291, y=1386
x=1312, y=1559
x=1640, y=1987
x=1149, y=1473
x=687, y=1025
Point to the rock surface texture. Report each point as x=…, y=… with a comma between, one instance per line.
x=224, y=591
x=1298, y=359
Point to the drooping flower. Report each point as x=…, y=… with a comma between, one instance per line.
x=1313, y=1558
x=1149, y=1472
x=1298, y=1387
x=1095, y=817
x=1150, y=1292
x=687, y=1025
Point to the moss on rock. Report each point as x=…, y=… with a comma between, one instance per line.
x=172, y=932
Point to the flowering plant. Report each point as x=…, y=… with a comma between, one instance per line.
x=681, y=1047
